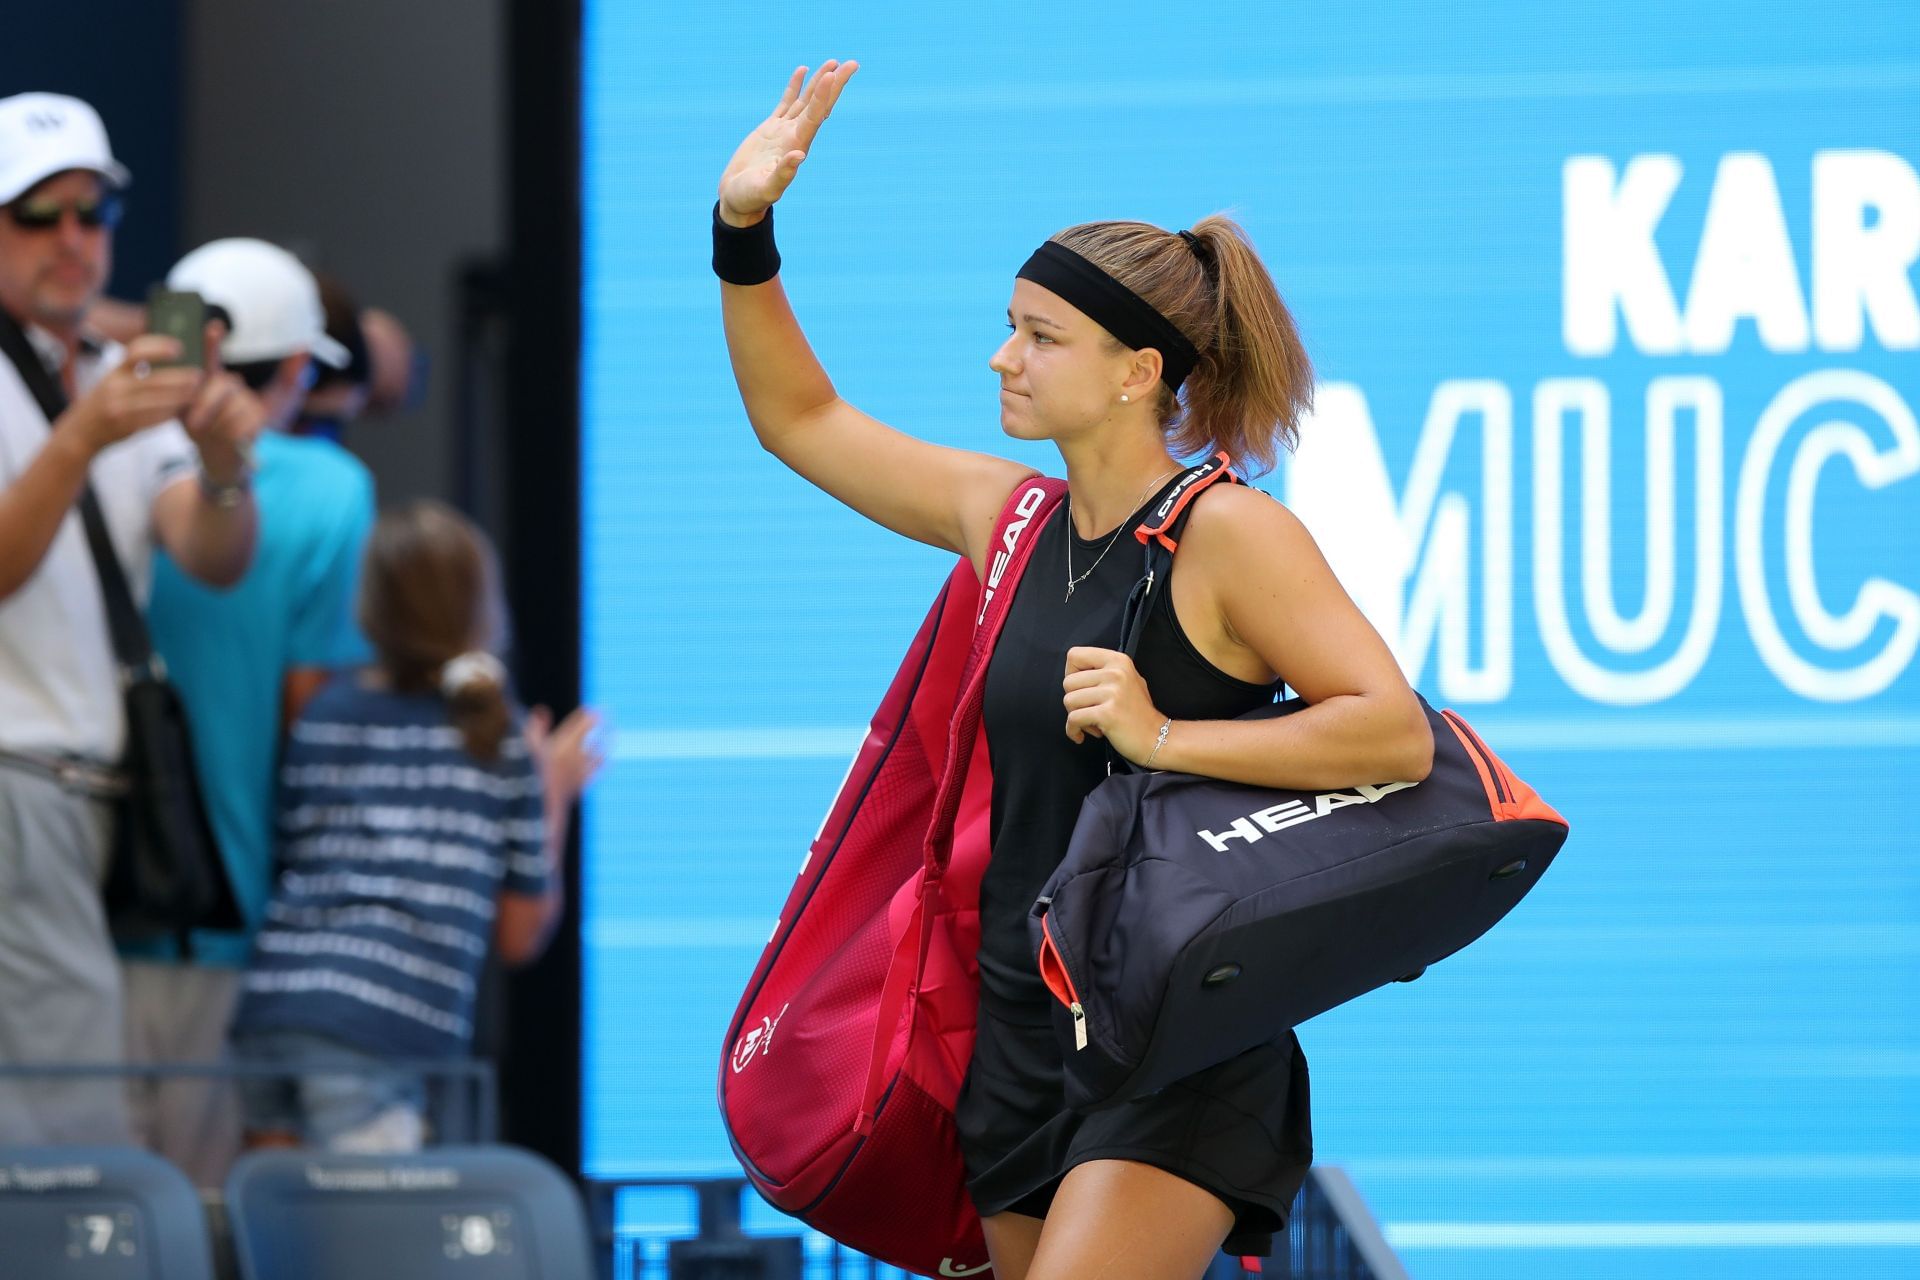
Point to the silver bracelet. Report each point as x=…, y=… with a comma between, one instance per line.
x=226, y=496
x=1158, y=743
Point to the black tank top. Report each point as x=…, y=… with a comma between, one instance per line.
x=1039, y=775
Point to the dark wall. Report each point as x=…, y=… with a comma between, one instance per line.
x=540, y=516
x=123, y=56
x=368, y=136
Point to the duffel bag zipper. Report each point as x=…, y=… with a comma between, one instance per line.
x=1495, y=771
x=1053, y=970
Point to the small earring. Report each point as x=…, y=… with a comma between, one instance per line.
x=1123, y=400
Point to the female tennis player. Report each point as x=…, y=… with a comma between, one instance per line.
x=1130, y=348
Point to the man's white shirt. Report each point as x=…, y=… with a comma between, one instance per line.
x=59, y=683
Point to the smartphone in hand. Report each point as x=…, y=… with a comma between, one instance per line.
x=183, y=317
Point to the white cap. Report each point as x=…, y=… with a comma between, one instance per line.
x=272, y=303
x=42, y=134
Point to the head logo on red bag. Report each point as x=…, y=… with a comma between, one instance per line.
x=757, y=1042
x=1029, y=503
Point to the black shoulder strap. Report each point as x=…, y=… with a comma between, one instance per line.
x=131, y=644
x=1160, y=534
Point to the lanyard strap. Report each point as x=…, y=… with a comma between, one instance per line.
x=131, y=644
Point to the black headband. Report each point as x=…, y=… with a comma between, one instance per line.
x=1113, y=306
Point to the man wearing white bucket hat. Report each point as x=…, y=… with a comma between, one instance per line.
x=245, y=659
x=163, y=449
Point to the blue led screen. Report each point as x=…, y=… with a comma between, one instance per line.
x=1614, y=314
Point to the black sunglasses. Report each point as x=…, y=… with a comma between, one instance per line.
x=44, y=215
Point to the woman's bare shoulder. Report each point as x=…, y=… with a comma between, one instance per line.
x=1236, y=520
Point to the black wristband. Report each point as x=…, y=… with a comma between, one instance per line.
x=744, y=255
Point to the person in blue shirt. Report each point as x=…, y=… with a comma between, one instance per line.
x=244, y=659
x=422, y=817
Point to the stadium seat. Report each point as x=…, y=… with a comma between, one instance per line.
x=99, y=1213
x=458, y=1213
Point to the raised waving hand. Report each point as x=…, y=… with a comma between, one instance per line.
x=765, y=164
x=940, y=496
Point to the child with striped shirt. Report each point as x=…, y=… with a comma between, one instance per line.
x=422, y=821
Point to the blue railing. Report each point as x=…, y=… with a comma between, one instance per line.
x=462, y=1102
x=647, y=1224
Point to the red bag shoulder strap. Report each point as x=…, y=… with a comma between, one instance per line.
x=1014, y=534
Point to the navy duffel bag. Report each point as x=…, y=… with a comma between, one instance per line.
x=1193, y=919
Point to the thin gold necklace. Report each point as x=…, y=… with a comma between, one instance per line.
x=1072, y=581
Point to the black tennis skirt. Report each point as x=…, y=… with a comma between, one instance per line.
x=1240, y=1130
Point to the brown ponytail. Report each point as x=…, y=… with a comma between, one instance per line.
x=479, y=710
x=429, y=593
x=1254, y=381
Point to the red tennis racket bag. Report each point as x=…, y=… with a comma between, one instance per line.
x=844, y=1060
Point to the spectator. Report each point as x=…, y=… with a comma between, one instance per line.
x=422, y=820
x=245, y=660
x=385, y=370
x=62, y=724
x=338, y=395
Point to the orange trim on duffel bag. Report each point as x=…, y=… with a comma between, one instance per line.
x=1526, y=801
x=1507, y=795
x=1053, y=971
x=1494, y=798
